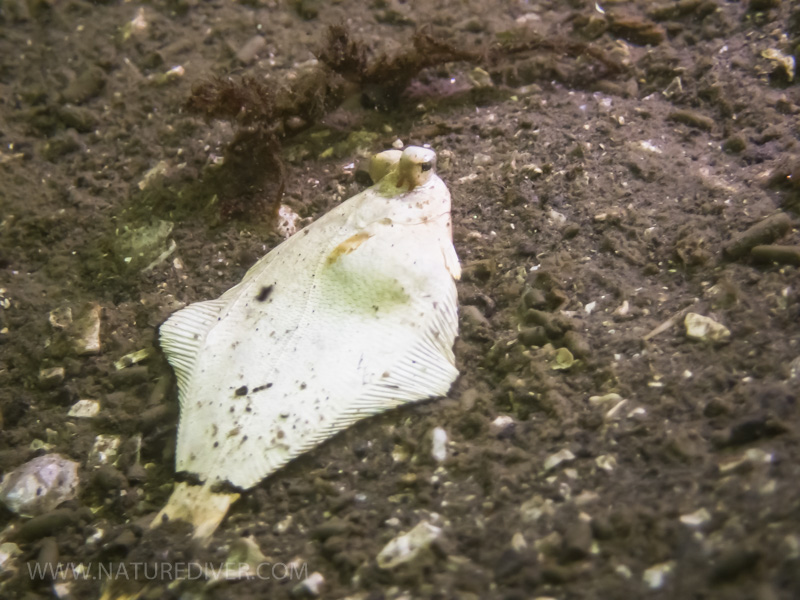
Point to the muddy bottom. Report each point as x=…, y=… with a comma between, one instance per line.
x=625, y=207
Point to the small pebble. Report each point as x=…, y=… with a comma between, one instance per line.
x=502, y=425
x=518, y=543
x=40, y=485
x=606, y=462
x=249, y=51
x=481, y=160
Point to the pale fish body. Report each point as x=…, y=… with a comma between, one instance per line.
x=351, y=316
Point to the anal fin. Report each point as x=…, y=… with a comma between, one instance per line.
x=183, y=334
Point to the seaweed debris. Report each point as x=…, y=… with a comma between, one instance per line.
x=251, y=180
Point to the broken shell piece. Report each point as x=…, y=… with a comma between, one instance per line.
x=439, y=444
x=655, y=577
x=133, y=358
x=61, y=318
x=287, y=221
x=8, y=552
x=85, y=329
x=606, y=462
x=502, y=425
x=697, y=518
x=705, y=329
x=353, y=315
x=139, y=247
x=105, y=450
x=562, y=360
x=605, y=399
x=40, y=485
x=310, y=587
x=51, y=377
x=84, y=409
x=81, y=327
x=408, y=546
x=552, y=461
x=784, y=60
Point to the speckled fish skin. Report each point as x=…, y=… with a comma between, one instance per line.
x=351, y=316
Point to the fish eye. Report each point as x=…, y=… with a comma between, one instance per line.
x=426, y=166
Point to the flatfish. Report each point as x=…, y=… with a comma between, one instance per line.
x=351, y=316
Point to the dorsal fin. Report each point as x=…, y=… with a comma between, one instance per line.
x=183, y=335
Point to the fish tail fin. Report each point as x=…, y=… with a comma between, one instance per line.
x=197, y=505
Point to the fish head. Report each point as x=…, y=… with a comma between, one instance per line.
x=408, y=192
x=416, y=167
x=383, y=163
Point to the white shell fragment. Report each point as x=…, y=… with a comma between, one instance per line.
x=699, y=517
x=84, y=409
x=408, y=546
x=655, y=577
x=40, y=485
x=105, y=450
x=552, y=461
x=501, y=425
x=133, y=358
x=8, y=552
x=287, y=221
x=353, y=315
x=439, y=444
x=86, y=329
x=311, y=586
x=705, y=329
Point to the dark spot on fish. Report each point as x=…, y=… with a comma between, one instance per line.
x=266, y=290
x=242, y=391
x=216, y=444
x=303, y=386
